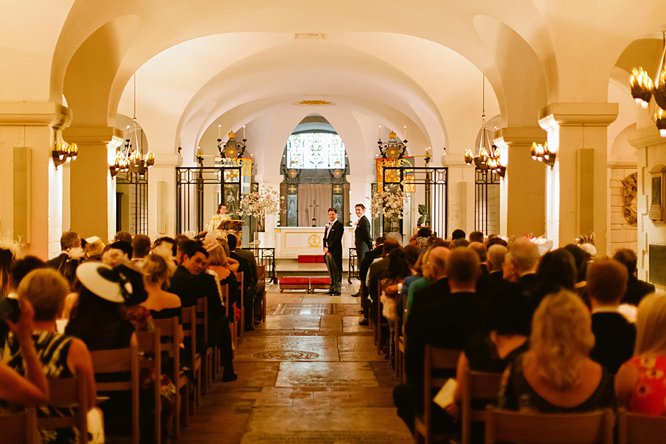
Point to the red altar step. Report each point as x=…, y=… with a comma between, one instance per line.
x=311, y=258
x=307, y=283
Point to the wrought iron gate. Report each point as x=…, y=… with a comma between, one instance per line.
x=486, y=201
x=199, y=190
x=421, y=184
x=132, y=200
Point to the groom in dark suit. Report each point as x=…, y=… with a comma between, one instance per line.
x=333, y=251
x=362, y=240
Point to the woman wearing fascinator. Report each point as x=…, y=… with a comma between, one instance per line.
x=107, y=298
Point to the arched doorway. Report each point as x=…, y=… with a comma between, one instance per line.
x=314, y=167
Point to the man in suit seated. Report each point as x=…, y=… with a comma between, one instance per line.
x=614, y=335
x=636, y=289
x=447, y=322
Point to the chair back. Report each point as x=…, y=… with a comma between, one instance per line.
x=478, y=387
x=634, y=428
x=67, y=393
x=122, y=360
x=189, y=316
x=150, y=351
x=439, y=365
x=19, y=428
x=241, y=303
x=202, y=318
x=549, y=428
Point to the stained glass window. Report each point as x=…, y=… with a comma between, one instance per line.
x=315, y=151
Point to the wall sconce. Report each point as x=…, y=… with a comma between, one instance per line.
x=64, y=152
x=541, y=153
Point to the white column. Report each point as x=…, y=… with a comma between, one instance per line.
x=577, y=186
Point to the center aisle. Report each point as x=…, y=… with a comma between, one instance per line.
x=311, y=374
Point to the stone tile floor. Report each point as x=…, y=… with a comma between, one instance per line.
x=304, y=377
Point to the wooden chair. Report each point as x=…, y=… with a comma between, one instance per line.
x=241, y=303
x=67, y=393
x=189, y=317
x=202, y=321
x=544, y=428
x=261, y=288
x=479, y=387
x=122, y=360
x=634, y=428
x=19, y=428
x=150, y=358
x=170, y=345
x=439, y=365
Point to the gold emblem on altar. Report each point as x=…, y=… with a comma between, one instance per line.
x=314, y=241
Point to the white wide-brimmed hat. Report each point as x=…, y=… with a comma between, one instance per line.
x=121, y=284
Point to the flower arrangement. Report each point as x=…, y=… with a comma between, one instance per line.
x=388, y=203
x=259, y=203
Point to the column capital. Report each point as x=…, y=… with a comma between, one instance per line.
x=167, y=160
x=91, y=135
x=35, y=114
x=519, y=136
x=578, y=114
x=646, y=136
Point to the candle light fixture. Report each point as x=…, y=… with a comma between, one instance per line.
x=129, y=156
x=488, y=156
x=643, y=88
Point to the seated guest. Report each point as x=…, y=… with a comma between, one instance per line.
x=98, y=318
x=189, y=282
x=248, y=265
x=117, y=253
x=556, y=374
x=159, y=302
x=61, y=356
x=17, y=390
x=363, y=269
x=123, y=236
x=217, y=263
x=396, y=272
x=376, y=273
x=494, y=351
x=556, y=271
x=94, y=249
x=640, y=383
x=448, y=322
x=434, y=285
x=614, y=335
x=496, y=256
x=636, y=289
x=140, y=248
x=476, y=236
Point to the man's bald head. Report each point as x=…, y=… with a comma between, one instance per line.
x=437, y=262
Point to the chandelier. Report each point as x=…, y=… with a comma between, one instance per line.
x=64, y=152
x=488, y=155
x=541, y=153
x=394, y=148
x=129, y=157
x=643, y=88
x=233, y=149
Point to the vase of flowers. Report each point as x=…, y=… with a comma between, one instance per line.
x=389, y=203
x=258, y=204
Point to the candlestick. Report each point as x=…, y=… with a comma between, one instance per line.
x=219, y=128
x=243, y=131
x=379, y=132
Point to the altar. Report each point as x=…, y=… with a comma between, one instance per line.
x=292, y=241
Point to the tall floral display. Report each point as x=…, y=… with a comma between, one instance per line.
x=257, y=204
x=389, y=203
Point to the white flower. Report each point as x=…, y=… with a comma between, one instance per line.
x=259, y=203
x=388, y=203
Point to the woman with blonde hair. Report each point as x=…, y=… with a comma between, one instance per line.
x=556, y=374
x=640, y=383
x=161, y=303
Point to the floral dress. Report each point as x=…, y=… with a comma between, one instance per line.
x=649, y=394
